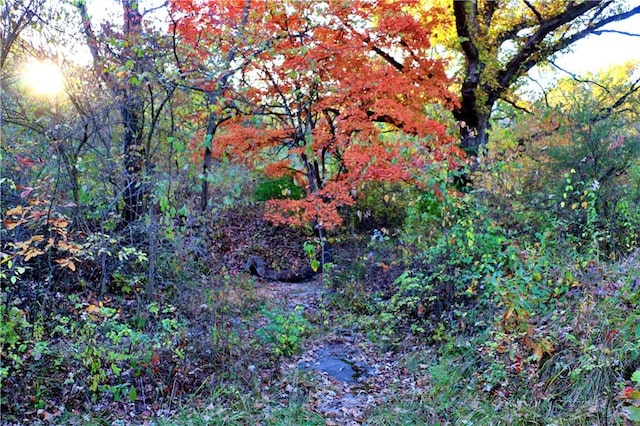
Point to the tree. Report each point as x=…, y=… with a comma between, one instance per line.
x=333, y=114
x=123, y=60
x=501, y=41
x=210, y=47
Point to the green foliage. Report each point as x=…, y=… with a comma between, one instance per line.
x=456, y=260
x=311, y=250
x=112, y=350
x=381, y=205
x=123, y=266
x=412, y=294
x=599, y=185
x=15, y=331
x=278, y=189
x=284, y=332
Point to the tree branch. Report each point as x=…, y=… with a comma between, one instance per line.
x=579, y=79
x=516, y=106
x=523, y=58
x=624, y=33
x=534, y=10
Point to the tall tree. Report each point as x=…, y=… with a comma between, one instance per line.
x=123, y=57
x=333, y=115
x=502, y=40
x=211, y=45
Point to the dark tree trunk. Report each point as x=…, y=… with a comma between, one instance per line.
x=472, y=114
x=473, y=130
x=135, y=192
x=132, y=110
x=131, y=105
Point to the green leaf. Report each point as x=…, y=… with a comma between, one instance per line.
x=315, y=265
x=634, y=413
x=635, y=377
x=116, y=370
x=133, y=394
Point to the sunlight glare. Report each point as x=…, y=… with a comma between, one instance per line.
x=43, y=78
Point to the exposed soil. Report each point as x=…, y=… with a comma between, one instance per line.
x=349, y=374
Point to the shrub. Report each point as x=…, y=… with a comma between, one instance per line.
x=281, y=188
x=284, y=332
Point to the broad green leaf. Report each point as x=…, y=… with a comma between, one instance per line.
x=634, y=413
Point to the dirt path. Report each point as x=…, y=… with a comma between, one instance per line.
x=350, y=376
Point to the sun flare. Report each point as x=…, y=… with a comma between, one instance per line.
x=43, y=78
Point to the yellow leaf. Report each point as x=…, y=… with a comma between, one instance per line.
x=537, y=350
x=63, y=245
x=66, y=263
x=16, y=211
x=59, y=223
x=32, y=252
x=92, y=309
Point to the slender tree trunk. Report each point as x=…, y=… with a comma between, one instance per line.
x=212, y=126
x=215, y=119
x=131, y=106
x=135, y=191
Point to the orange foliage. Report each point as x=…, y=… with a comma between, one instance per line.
x=338, y=93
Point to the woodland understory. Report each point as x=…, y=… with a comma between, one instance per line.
x=317, y=213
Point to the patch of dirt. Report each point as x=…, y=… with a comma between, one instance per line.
x=349, y=374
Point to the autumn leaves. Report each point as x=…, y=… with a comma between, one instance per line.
x=333, y=94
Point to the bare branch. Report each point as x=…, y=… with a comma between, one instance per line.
x=624, y=33
x=578, y=79
x=516, y=106
x=534, y=10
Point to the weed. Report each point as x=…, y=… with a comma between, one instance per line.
x=284, y=332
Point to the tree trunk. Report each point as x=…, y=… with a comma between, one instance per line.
x=135, y=191
x=212, y=126
x=131, y=105
x=473, y=131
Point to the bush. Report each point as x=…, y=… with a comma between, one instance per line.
x=282, y=188
x=284, y=332
x=380, y=205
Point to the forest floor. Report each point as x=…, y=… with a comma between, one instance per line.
x=218, y=346
x=350, y=376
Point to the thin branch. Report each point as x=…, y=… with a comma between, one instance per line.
x=580, y=80
x=544, y=91
x=516, y=106
x=624, y=33
x=534, y=10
